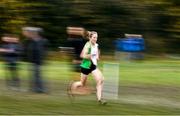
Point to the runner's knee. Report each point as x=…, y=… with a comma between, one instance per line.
x=99, y=82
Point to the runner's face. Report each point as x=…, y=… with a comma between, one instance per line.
x=93, y=39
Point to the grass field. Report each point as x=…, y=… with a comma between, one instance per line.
x=146, y=87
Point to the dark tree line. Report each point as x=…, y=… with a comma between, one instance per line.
x=157, y=20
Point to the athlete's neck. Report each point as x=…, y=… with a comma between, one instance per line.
x=92, y=43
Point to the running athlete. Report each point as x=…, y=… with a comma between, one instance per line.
x=90, y=55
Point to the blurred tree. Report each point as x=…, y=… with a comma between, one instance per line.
x=157, y=20
x=11, y=18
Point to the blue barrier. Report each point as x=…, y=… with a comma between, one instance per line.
x=130, y=45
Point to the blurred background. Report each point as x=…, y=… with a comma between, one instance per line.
x=149, y=84
x=157, y=20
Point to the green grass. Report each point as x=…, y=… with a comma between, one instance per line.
x=151, y=72
x=147, y=87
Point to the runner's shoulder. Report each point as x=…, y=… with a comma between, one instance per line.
x=87, y=45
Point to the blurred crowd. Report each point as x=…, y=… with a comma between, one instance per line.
x=33, y=50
